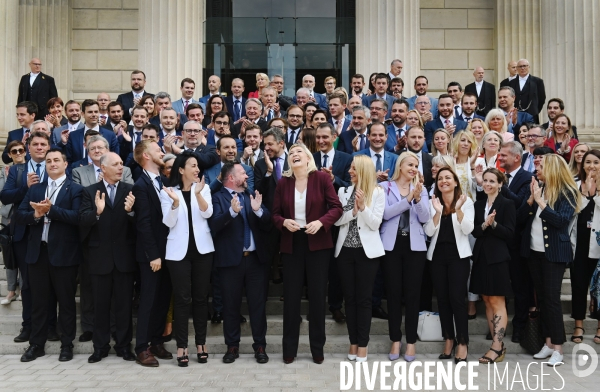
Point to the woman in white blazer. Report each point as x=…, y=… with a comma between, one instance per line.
x=358, y=249
x=186, y=207
x=449, y=252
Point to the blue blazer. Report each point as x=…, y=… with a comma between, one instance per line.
x=434, y=104
x=346, y=125
x=522, y=118
x=13, y=135
x=389, y=160
x=64, y=248
x=319, y=99
x=340, y=168
x=436, y=123
x=210, y=140
x=228, y=232
x=178, y=105
x=211, y=174
x=388, y=98
x=229, y=103
x=392, y=142
x=74, y=148
x=345, y=143
x=474, y=116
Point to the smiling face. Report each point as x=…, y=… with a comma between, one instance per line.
x=591, y=163
x=295, y=117
x=272, y=148
x=579, y=152
x=412, y=120
x=421, y=86
x=252, y=110
x=149, y=106
x=73, y=112
x=302, y=98
x=491, y=144
x=56, y=165
x=168, y=120
x=477, y=129
x=455, y=93
x=324, y=139
x=359, y=121
x=491, y=186
x=187, y=91
x=445, y=181
x=357, y=85
x=377, y=137
x=216, y=105
x=378, y=111
x=227, y=150
x=399, y=112
x=319, y=119
x=352, y=172
x=189, y=173
x=441, y=142
x=115, y=113
x=553, y=110
x=253, y=138
x=298, y=158
x=561, y=125
x=508, y=160
x=445, y=107
x=139, y=118
x=464, y=145
x=96, y=150
x=25, y=119
x=91, y=115
x=409, y=168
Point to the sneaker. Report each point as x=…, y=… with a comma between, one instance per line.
x=556, y=359
x=544, y=353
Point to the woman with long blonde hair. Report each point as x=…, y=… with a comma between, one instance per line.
x=576, y=160
x=465, y=150
x=479, y=129
x=262, y=81
x=442, y=142
x=547, y=215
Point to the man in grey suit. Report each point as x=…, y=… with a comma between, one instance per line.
x=73, y=113
x=85, y=176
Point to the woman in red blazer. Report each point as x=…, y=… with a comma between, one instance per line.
x=305, y=207
x=562, y=141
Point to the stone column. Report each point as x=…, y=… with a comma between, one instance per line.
x=518, y=33
x=387, y=30
x=9, y=70
x=571, y=55
x=171, y=44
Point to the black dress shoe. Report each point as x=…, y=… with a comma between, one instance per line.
x=126, y=354
x=231, y=355
x=97, y=356
x=488, y=336
x=288, y=360
x=160, y=352
x=86, y=336
x=23, y=336
x=66, y=354
x=516, y=337
x=52, y=336
x=379, y=313
x=261, y=356
x=33, y=352
x=338, y=316
x=318, y=360
x=242, y=319
x=217, y=317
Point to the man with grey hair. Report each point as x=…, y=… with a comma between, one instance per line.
x=236, y=103
x=530, y=91
x=536, y=137
x=356, y=139
x=395, y=69
x=45, y=126
x=162, y=101
x=253, y=110
x=308, y=82
x=485, y=91
x=271, y=108
x=514, y=118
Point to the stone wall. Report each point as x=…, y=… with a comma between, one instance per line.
x=456, y=37
x=104, y=46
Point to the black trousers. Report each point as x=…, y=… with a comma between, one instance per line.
x=450, y=274
x=316, y=266
x=86, y=296
x=46, y=280
x=252, y=275
x=522, y=287
x=581, y=273
x=426, y=301
x=378, y=283
x=105, y=289
x=335, y=296
x=547, y=280
x=190, y=278
x=357, y=274
x=403, y=271
x=155, y=299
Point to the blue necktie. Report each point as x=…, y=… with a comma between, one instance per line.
x=325, y=161
x=456, y=111
x=38, y=171
x=246, y=225
x=138, y=137
x=236, y=110
x=362, y=142
x=159, y=182
x=378, y=163
x=530, y=168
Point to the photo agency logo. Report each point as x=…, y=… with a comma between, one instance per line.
x=585, y=360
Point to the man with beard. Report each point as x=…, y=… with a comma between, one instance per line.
x=132, y=98
x=222, y=123
x=294, y=116
x=381, y=87
x=468, y=106
x=115, y=115
x=73, y=113
x=133, y=133
x=356, y=139
x=415, y=142
x=397, y=87
x=283, y=100
x=555, y=107
x=358, y=84
x=162, y=101
x=227, y=151
x=397, y=129
x=446, y=120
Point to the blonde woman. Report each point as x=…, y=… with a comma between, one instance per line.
x=479, y=129
x=358, y=250
x=442, y=142
x=579, y=151
x=496, y=121
x=465, y=151
x=262, y=81
x=413, y=119
x=546, y=216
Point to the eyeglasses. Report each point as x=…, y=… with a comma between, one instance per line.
x=97, y=148
x=329, y=83
x=17, y=151
x=295, y=115
x=192, y=131
x=523, y=66
x=222, y=123
x=376, y=109
x=533, y=136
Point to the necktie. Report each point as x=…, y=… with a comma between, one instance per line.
x=247, y=231
x=456, y=114
x=277, y=169
x=291, y=140
x=111, y=193
x=325, y=161
x=185, y=105
x=467, y=119
x=530, y=168
x=85, y=149
x=138, y=137
x=51, y=190
x=270, y=115
x=103, y=117
x=98, y=175
x=378, y=163
x=447, y=122
x=236, y=110
x=508, y=177
x=362, y=142
x=38, y=171
x=159, y=182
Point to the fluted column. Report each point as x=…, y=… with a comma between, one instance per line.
x=9, y=72
x=387, y=30
x=518, y=25
x=571, y=55
x=171, y=43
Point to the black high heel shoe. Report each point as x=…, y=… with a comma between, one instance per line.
x=184, y=360
x=202, y=356
x=448, y=356
x=457, y=360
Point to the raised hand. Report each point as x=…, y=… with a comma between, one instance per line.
x=479, y=174
x=236, y=206
x=329, y=171
x=416, y=193
x=536, y=192
x=25, y=137
x=248, y=152
x=32, y=179
x=64, y=136
x=400, y=142
x=383, y=175
x=437, y=205
x=200, y=186
x=171, y=193
x=129, y=201
x=268, y=163
x=256, y=202
x=461, y=201
x=124, y=133
x=491, y=218
x=359, y=199
x=355, y=145
x=100, y=202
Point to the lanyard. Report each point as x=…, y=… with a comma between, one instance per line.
x=42, y=169
x=55, y=190
x=152, y=181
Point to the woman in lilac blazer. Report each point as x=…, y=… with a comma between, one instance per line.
x=406, y=210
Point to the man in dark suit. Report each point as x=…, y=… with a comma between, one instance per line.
x=227, y=151
x=381, y=87
x=283, y=100
x=468, y=107
x=51, y=210
x=75, y=149
x=214, y=84
x=337, y=110
x=222, y=121
x=295, y=115
x=194, y=140
x=132, y=98
x=308, y=83
x=239, y=225
x=115, y=117
x=512, y=72
x=20, y=179
x=514, y=117
x=415, y=142
x=253, y=110
x=446, y=120
x=37, y=87
x=337, y=165
x=133, y=133
x=530, y=91
x=73, y=113
x=358, y=84
x=252, y=152
x=174, y=121
x=107, y=222
x=236, y=103
x=26, y=113
x=384, y=161
x=485, y=92
x=151, y=243
x=356, y=139
x=555, y=107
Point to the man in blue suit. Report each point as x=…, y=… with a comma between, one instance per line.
x=468, y=106
x=381, y=88
x=236, y=103
x=75, y=149
x=188, y=86
x=514, y=118
x=162, y=101
x=421, y=86
x=73, y=113
x=227, y=150
x=132, y=98
x=51, y=210
x=356, y=139
x=337, y=109
x=446, y=120
x=222, y=121
x=384, y=161
x=26, y=112
x=239, y=225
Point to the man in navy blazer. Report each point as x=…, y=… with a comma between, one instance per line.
x=51, y=210
x=26, y=112
x=360, y=119
x=132, y=98
x=337, y=110
x=381, y=88
x=468, y=106
x=236, y=103
x=239, y=225
x=386, y=162
x=515, y=118
x=227, y=151
x=446, y=120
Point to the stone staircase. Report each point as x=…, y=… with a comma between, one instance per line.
x=337, y=336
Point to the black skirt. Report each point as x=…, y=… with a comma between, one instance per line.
x=490, y=279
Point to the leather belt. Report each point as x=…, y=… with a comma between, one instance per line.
x=248, y=253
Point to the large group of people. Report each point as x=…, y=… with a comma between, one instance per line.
x=156, y=204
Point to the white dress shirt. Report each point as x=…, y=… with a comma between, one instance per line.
x=330, y=155
x=511, y=78
x=537, y=233
x=154, y=183
x=58, y=183
x=32, y=77
x=234, y=214
x=451, y=119
x=478, y=86
x=420, y=156
x=522, y=81
x=74, y=127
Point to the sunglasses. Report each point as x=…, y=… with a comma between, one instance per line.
x=18, y=151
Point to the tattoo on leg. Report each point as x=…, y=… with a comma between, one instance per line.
x=499, y=333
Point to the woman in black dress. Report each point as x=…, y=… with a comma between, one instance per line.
x=495, y=218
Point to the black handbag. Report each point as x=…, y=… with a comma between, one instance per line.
x=7, y=249
x=532, y=339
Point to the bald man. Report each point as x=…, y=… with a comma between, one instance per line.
x=512, y=72
x=485, y=92
x=103, y=101
x=37, y=87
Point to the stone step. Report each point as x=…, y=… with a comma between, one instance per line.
x=334, y=345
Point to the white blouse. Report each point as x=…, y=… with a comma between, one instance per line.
x=300, y=207
x=537, y=232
